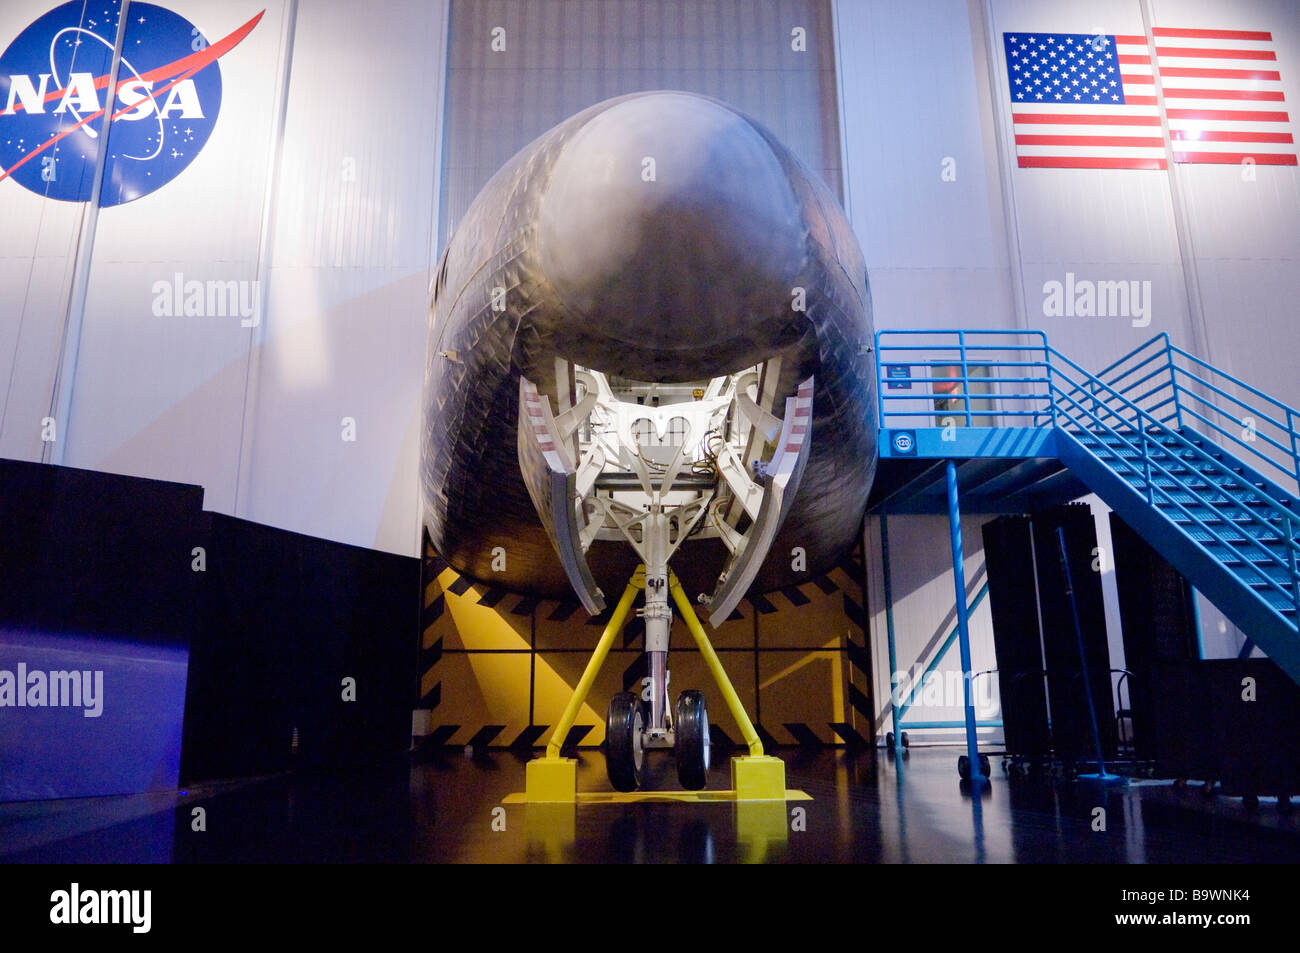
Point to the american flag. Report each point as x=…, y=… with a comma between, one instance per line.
x=1083, y=101
x=1223, y=96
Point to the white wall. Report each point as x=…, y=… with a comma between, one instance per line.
x=936, y=250
x=946, y=253
x=339, y=229
x=335, y=227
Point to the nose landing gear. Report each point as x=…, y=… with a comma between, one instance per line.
x=629, y=735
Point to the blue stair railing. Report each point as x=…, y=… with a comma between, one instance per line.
x=1163, y=421
x=1266, y=530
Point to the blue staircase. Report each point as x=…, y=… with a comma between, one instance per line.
x=1205, y=467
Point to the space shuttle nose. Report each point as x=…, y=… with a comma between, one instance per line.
x=670, y=225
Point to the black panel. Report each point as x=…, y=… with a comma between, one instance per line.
x=286, y=618
x=97, y=553
x=1013, y=602
x=1208, y=729
x=1071, y=726
x=1157, y=610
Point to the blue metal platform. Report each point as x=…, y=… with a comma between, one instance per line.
x=1204, y=466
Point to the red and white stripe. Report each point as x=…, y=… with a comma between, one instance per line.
x=1093, y=136
x=797, y=429
x=1223, y=96
x=545, y=433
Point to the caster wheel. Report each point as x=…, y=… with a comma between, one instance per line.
x=624, y=756
x=963, y=768
x=1284, y=805
x=986, y=768
x=889, y=740
x=1250, y=802
x=1006, y=766
x=691, y=723
x=907, y=742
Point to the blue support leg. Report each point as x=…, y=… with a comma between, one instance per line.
x=1102, y=776
x=889, y=628
x=963, y=630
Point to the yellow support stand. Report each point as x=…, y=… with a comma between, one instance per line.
x=553, y=779
x=757, y=777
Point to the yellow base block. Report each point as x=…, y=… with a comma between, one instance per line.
x=758, y=778
x=551, y=780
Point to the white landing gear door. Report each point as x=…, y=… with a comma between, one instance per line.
x=551, y=476
x=780, y=482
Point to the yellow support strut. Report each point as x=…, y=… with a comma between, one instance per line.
x=552, y=778
x=615, y=625
x=719, y=674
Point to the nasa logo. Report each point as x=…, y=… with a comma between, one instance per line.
x=53, y=84
x=904, y=443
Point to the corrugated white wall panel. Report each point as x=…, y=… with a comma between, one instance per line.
x=38, y=243
x=912, y=99
x=565, y=55
x=349, y=279
x=162, y=395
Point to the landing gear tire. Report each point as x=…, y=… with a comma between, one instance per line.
x=624, y=756
x=691, y=747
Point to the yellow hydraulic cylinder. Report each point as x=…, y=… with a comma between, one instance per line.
x=635, y=585
x=710, y=657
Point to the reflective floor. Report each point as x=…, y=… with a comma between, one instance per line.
x=866, y=808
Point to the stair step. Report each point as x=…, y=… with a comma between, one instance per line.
x=1278, y=601
x=1189, y=456
x=1218, y=491
x=1238, y=534
x=1214, y=499
x=1249, y=556
x=1214, y=516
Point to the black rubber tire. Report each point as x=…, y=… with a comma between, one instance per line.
x=1284, y=805
x=907, y=742
x=1250, y=802
x=889, y=740
x=985, y=767
x=624, y=758
x=691, y=745
x=963, y=767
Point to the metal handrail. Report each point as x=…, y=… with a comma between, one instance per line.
x=1087, y=401
x=1187, y=444
x=1148, y=462
x=1288, y=539
x=1178, y=379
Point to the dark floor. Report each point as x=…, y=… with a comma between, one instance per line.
x=868, y=808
